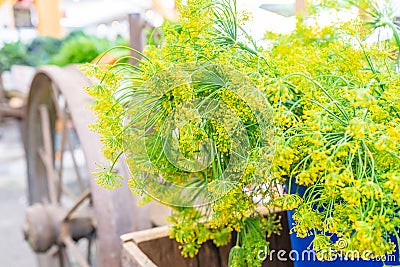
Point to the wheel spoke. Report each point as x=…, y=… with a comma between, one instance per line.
x=75, y=163
x=53, y=250
x=84, y=196
x=70, y=244
x=64, y=256
x=46, y=153
x=64, y=131
x=68, y=192
x=89, y=250
x=62, y=148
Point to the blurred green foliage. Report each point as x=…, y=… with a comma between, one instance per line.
x=80, y=48
x=77, y=47
x=41, y=50
x=13, y=53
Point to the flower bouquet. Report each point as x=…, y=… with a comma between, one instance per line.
x=213, y=125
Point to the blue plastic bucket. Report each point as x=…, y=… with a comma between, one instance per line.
x=303, y=257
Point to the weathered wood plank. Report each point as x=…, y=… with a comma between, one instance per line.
x=164, y=252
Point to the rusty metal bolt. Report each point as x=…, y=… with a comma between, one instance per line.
x=45, y=226
x=39, y=229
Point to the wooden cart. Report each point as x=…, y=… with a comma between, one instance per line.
x=66, y=204
x=70, y=214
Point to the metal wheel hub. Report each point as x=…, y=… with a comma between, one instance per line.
x=47, y=225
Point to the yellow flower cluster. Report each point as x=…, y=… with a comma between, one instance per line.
x=393, y=183
x=336, y=113
x=341, y=138
x=108, y=122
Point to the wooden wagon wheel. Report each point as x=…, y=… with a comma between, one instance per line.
x=68, y=206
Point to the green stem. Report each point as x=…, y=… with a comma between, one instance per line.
x=395, y=32
x=323, y=90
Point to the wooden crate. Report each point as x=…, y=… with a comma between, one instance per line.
x=153, y=248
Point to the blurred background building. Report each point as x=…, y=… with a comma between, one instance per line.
x=104, y=18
